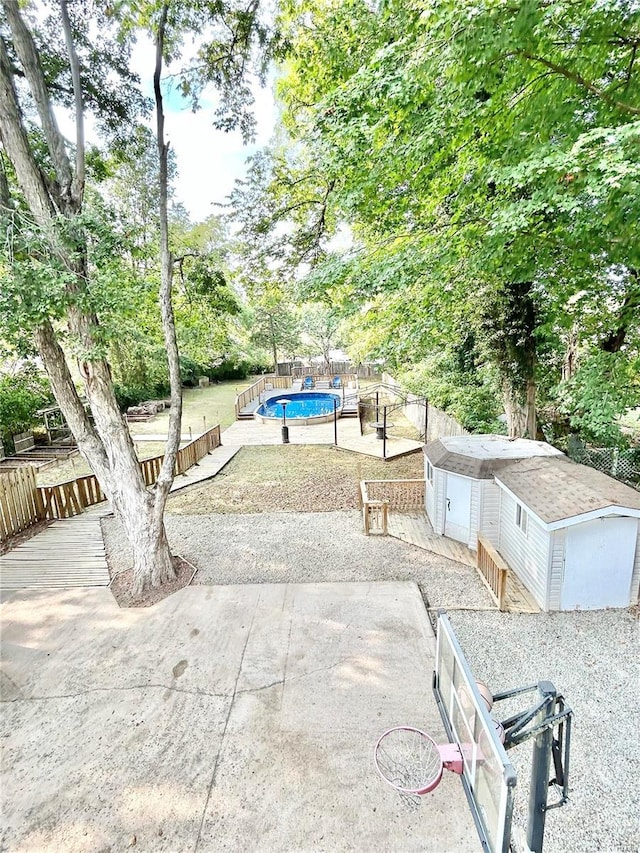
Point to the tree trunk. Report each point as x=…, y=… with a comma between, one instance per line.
x=106, y=444
x=515, y=412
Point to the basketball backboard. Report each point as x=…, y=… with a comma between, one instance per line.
x=488, y=776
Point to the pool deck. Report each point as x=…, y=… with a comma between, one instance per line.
x=252, y=432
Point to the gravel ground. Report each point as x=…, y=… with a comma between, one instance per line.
x=592, y=657
x=312, y=547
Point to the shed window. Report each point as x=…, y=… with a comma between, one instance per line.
x=522, y=518
x=429, y=472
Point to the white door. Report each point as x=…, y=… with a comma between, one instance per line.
x=457, y=508
x=599, y=563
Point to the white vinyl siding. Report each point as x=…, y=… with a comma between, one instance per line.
x=526, y=553
x=635, y=579
x=440, y=483
x=556, y=575
x=490, y=512
x=429, y=502
x=474, y=516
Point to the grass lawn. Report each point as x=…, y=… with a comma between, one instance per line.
x=77, y=466
x=202, y=408
x=291, y=478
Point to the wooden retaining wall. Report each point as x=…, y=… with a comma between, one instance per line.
x=23, y=502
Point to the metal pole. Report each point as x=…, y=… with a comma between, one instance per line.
x=540, y=770
x=335, y=421
x=377, y=407
x=384, y=432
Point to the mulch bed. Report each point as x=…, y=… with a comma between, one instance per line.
x=122, y=584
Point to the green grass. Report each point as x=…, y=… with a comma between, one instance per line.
x=291, y=478
x=202, y=409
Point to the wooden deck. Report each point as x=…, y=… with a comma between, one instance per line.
x=69, y=553
x=413, y=526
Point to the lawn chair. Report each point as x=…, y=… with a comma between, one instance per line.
x=308, y=383
x=336, y=382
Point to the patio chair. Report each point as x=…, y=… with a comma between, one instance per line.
x=336, y=382
x=308, y=382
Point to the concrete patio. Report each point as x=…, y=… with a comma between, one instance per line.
x=223, y=718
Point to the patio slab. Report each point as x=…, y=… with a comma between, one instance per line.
x=223, y=718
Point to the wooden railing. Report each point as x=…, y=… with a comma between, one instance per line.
x=254, y=391
x=20, y=502
x=493, y=570
x=74, y=496
x=378, y=496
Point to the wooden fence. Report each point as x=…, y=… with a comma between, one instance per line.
x=268, y=383
x=253, y=392
x=493, y=570
x=378, y=496
x=22, y=502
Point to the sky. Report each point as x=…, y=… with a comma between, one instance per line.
x=209, y=160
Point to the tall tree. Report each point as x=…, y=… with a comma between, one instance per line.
x=49, y=280
x=496, y=141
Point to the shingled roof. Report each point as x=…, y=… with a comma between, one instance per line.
x=480, y=456
x=555, y=488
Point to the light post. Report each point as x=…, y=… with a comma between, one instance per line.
x=285, y=428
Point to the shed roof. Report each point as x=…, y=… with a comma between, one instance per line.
x=480, y=456
x=555, y=488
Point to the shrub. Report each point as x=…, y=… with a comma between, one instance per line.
x=21, y=395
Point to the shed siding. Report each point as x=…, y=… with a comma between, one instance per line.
x=474, y=516
x=556, y=576
x=635, y=578
x=440, y=481
x=527, y=555
x=490, y=512
x=429, y=502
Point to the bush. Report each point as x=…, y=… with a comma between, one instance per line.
x=21, y=395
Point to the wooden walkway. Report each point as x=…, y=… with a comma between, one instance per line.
x=68, y=553
x=413, y=526
x=206, y=468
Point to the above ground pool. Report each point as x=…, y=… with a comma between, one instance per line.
x=306, y=407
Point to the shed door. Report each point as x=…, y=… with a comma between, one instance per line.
x=457, y=508
x=599, y=564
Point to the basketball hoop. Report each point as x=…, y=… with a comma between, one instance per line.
x=411, y=761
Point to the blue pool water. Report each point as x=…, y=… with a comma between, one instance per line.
x=308, y=404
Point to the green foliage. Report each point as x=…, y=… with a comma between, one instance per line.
x=470, y=394
x=602, y=390
x=21, y=395
x=485, y=156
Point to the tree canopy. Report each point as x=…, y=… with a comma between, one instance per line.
x=485, y=158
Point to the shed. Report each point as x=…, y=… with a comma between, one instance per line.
x=570, y=533
x=461, y=496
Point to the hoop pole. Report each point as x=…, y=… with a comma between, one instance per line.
x=335, y=421
x=540, y=769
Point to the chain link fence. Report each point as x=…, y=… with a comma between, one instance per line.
x=624, y=465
